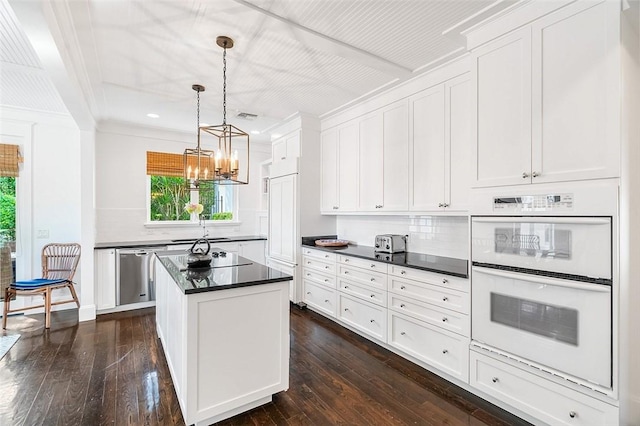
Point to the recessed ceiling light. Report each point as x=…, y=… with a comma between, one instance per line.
x=255, y=132
x=153, y=115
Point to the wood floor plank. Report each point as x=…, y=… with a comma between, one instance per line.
x=112, y=371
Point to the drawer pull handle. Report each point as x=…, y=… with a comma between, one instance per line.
x=403, y=272
x=373, y=266
x=326, y=267
x=326, y=255
x=445, y=299
x=495, y=380
x=373, y=295
x=373, y=279
x=402, y=305
x=326, y=280
x=572, y=414
x=445, y=281
x=445, y=319
x=346, y=309
x=372, y=320
x=440, y=205
x=308, y=292
x=326, y=300
x=346, y=286
x=525, y=175
x=402, y=333
x=402, y=287
x=346, y=272
x=308, y=263
x=346, y=260
x=445, y=351
x=308, y=274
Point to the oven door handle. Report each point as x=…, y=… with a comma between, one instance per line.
x=600, y=288
x=544, y=219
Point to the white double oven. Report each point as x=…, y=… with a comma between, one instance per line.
x=543, y=279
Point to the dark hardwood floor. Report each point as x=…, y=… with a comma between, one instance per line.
x=113, y=371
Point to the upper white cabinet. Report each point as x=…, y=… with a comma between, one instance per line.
x=287, y=146
x=384, y=149
x=339, y=173
x=440, y=136
x=547, y=99
x=501, y=74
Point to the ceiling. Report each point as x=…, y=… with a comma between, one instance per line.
x=129, y=58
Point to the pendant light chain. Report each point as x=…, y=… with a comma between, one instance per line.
x=198, y=119
x=224, y=84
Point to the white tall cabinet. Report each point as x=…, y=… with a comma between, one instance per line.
x=295, y=197
x=339, y=168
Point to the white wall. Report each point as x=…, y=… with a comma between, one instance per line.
x=438, y=235
x=121, y=185
x=49, y=196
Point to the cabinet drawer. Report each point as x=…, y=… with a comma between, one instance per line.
x=447, y=281
x=446, y=351
x=319, y=278
x=359, y=276
x=435, y=295
x=445, y=318
x=364, y=316
x=320, y=297
x=318, y=265
x=373, y=295
x=550, y=402
x=363, y=263
x=319, y=254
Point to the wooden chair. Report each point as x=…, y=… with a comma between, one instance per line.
x=59, y=263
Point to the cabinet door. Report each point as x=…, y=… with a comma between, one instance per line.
x=371, y=177
x=501, y=73
x=576, y=93
x=329, y=171
x=427, y=159
x=105, y=278
x=282, y=219
x=287, y=146
x=395, y=136
x=348, y=142
x=279, y=150
x=458, y=149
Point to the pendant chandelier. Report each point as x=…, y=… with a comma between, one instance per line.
x=229, y=164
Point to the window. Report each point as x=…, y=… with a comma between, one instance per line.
x=168, y=194
x=10, y=160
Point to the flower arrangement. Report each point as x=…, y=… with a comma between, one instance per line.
x=192, y=208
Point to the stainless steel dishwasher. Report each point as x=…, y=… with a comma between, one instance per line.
x=136, y=275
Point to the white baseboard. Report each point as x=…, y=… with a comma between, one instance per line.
x=87, y=313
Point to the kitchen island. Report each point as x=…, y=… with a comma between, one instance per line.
x=225, y=334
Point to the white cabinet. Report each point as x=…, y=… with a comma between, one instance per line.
x=440, y=141
x=383, y=154
x=252, y=250
x=501, y=74
x=105, y=278
x=287, y=146
x=339, y=168
x=550, y=402
x=548, y=99
x=282, y=220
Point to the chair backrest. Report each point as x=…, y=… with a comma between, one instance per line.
x=60, y=260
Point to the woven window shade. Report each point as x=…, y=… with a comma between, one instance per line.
x=10, y=158
x=167, y=164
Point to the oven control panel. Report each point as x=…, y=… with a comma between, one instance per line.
x=533, y=203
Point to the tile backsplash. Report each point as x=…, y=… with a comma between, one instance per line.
x=438, y=235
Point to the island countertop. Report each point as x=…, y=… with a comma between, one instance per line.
x=160, y=243
x=226, y=272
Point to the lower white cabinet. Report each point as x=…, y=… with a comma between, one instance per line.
x=435, y=295
x=442, y=349
x=105, y=278
x=440, y=317
x=320, y=298
x=543, y=399
x=366, y=317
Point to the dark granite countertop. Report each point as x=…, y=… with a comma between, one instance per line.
x=229, y=272
x=427, y=262
x=160, y=243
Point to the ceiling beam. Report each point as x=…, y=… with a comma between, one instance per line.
x=324, y=43
x=38, y=22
